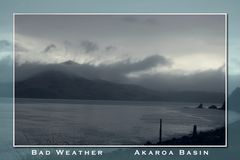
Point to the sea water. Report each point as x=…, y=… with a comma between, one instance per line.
x=93, y=122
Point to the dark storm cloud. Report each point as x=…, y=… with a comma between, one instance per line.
x=89, y=46
x=149, y=62
x=5, y=45
x=118, y=71
x=49, y=48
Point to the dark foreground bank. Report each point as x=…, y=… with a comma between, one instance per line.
x=212, y=137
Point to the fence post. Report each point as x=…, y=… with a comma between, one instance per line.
x=160, y=132
x=194, y=131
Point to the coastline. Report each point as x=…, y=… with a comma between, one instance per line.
x=210, y=137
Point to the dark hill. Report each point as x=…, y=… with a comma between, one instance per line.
x=58, y=85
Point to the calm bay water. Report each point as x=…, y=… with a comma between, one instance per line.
x=40, y=121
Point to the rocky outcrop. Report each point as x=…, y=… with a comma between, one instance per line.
x=200, y=106
x=212, y=107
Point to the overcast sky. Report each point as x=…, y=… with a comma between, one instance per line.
x=179, y=51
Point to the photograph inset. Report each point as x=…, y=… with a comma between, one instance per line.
x=118, y=79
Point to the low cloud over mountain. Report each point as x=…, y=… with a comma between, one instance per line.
x=209, y=80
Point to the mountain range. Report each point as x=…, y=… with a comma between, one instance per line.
x=55, y=84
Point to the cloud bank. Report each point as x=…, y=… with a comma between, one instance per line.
x=209, y=80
